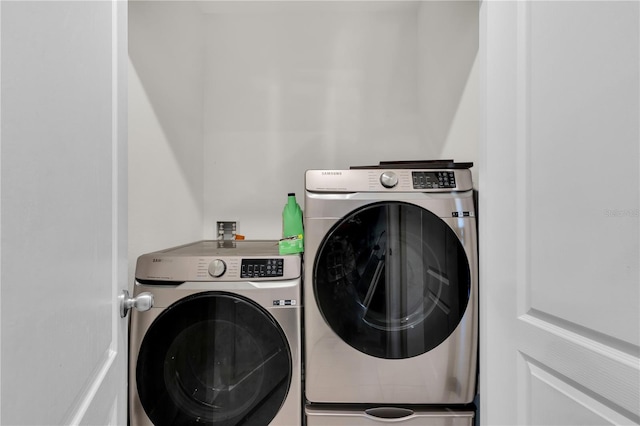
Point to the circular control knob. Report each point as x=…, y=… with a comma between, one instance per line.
x=389, y=179
x=217, y=268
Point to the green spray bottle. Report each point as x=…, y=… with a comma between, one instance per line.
x=292, y=228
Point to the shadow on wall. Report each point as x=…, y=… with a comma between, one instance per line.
x=165, y=126
x=166, y=52
x=449, y=105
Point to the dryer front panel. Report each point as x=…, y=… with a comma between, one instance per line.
x=213, y=359
x=392, y=280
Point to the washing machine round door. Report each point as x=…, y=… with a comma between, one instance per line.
x=213, y=359
x=392, y=280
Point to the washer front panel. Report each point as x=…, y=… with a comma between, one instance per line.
x=213, y=359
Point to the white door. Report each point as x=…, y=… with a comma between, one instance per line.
x=63, y=212
x=559, y=235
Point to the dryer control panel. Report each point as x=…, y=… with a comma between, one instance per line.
x=433, y=180
x=390, y=180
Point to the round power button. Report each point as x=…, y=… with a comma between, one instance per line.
x=217, y=268
x=389, y=179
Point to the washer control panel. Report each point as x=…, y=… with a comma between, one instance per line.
x=433, y=180
x=218, y=261
x=261, y=268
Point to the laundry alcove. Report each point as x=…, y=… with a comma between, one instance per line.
x=230, y=102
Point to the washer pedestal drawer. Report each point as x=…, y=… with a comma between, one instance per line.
x=337, y=415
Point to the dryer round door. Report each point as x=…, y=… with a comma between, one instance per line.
x=213, y=359
x=392, y=280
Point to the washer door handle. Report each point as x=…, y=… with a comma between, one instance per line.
x=143, y=302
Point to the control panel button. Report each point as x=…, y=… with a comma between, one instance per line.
x=389, y=179
x=217, y=268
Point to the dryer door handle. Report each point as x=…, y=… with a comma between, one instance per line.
x=143, y=302
x=389, y=414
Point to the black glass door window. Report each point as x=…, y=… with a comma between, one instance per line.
x=213, y=359
x=392, y=280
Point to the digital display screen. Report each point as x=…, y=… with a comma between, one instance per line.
x=433, y=180
x=261, y=268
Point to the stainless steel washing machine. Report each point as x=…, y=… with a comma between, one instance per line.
x=390, y=286
x=221, y=344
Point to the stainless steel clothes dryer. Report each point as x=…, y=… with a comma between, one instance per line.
x=391, y=285
x=221, y=346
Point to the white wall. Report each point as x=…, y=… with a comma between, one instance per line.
x=290, y=87
x=448, y=81
x=285, y=87
x=165, y=126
